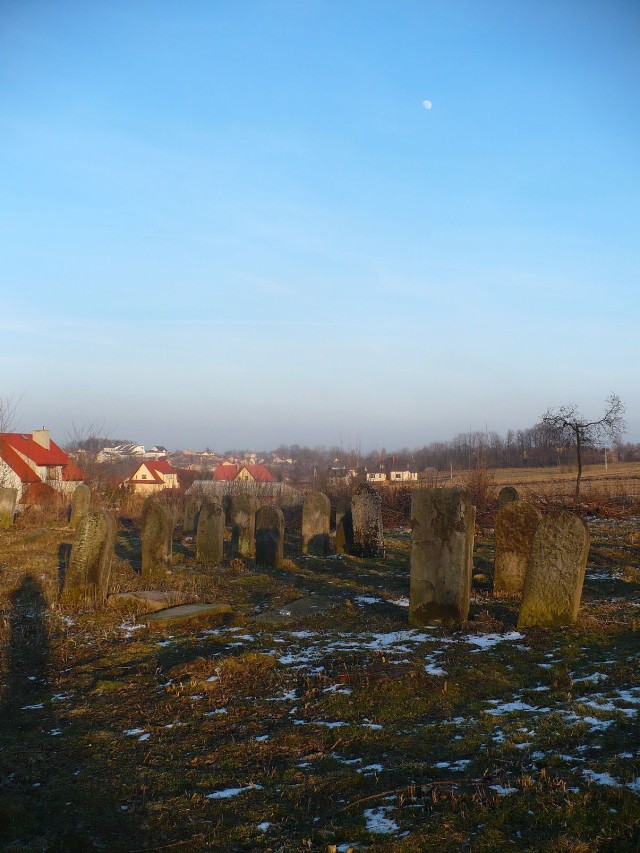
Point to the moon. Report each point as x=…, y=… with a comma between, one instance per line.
x=427, y=105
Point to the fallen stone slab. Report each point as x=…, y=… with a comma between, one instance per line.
x=153, y=599
x=187, y=611
x=300, y=608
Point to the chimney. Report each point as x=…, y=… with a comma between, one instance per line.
x=41, y=437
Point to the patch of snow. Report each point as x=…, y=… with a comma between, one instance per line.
x=509, y=707
x=264, y=826
x=134, y=732
x=367, y=599
x=378, y=823
x=432, y=669
x=601, y=778
x=486, y=641
x=36, y=707
x=399, y=602
x=371, y=768
x=232, y=792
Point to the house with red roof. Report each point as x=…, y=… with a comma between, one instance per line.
x=153, y=475
x=37, y=467
x=250, y=473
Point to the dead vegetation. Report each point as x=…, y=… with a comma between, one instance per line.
x=335, y=726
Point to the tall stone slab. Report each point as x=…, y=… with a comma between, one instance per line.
x=515, y=526
x=269, y=537
x=210, y=536
x=553, y=585
x=507, y=495
x=86, y=579
x=344, y=528
x=190, y=515
x=80, y=503
x=442, y=534
x=8, y=501
x=316, y=524
x=157, y=539
x=366, y=518
x=243, y=525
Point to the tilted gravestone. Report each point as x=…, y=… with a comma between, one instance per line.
x=507, y=495
x=553, y=585
x=316, y=524
x=515, y=526
x=8, y=500
x=210, y=536
x=344, y=527
x=157, y=539
x=189, y=518
x=366, y=518
x=442, y=534
x=87, y=576
x=269, y=537
x=80, y=503
x=243, y=525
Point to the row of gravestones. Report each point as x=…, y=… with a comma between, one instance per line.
x=358, y=526
x=542, y=558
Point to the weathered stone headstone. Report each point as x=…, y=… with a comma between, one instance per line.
x=243, y=525
x=442, y=534
x=366, y=518
x=210, y=537
x=80, y=503
x=515, y=526
x=189, y=518
x=87, y=576
x=344, y=527
x=8, y=500
x=507, y=495
x=553, y=585
x=157, y=539
x=316, y=524
x=269, y=537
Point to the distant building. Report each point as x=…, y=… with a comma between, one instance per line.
x=34, y=465
x=153, y=476
x=402, y=476
x=254, y=473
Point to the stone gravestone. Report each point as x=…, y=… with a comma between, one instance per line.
x=157, y=539
x=442, y=533
x=516, y=524
x=269, y=537
x=80, y=503
x=210, y=536
x=366, y=518
x=243, y=525
x=87, y=576
x=553, y=585
x=8, y=500
x=344, y=527
x=316, y=524
x=189, y=517
x=507, y=495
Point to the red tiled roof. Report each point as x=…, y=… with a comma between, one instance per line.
x=226, y=472
x=14, y=443
x=231, y=472
x=163, y=466
x=260, y=473
x=16, y=463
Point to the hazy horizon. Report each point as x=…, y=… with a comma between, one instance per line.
x=239, y=225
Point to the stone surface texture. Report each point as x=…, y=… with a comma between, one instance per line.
x=86, y=579
x=442, y=534
x=366, y=518
x=516, y=523
x=80, y=503
x=269, y=537
x=187, y=611
x=316, y=524
x=344, y=527
x=553, y=585
x=210, y=536
x=506, y=495
x=157, y=539
x=8, y=501
x=243, y=525
x=189, y=517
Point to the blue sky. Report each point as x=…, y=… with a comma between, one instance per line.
x=234, y=224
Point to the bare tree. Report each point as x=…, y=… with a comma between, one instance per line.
x=569, y=427
x=8, y=410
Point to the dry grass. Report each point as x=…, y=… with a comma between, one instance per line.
x=328, y=725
